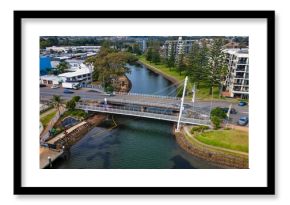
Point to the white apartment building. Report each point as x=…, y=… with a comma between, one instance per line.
x=82, y=75
x=177, y=47
x=237, y=81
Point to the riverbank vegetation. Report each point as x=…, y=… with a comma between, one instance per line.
x=109, y=65
x=205, y=65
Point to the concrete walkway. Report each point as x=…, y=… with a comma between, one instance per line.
x=45, y=133
x=61, y=135
x=45, y=153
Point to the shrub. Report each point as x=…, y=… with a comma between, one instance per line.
x=218, y=112
x=216, y=122
x=200, y=128
x=76, y=98
x=109, y=88
x=70, y=105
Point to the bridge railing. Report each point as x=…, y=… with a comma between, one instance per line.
x=148, y=95
x=133, y=111
x=144, y=103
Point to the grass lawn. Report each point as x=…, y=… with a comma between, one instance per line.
x=231, y=139
x=46, y=119
x=202, y=91
x=164, y=69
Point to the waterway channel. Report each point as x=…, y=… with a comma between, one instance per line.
x=136, y=143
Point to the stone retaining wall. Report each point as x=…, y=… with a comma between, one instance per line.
x=224, y=159
x=74, y=136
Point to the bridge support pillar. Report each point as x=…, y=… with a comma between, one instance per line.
x=181, y=105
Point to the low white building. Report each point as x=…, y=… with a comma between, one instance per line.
x=50, y=80
x=82, y=75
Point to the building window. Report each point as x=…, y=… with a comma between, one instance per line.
x=239, y=75
x=242, y=61
x=237, y=88
x=241, y=68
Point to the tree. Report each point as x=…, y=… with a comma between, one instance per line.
x=136, y=49
x=70, y=105
x=217, y=67
x=170, y=60
x=155, y=56
x=149, y=54
x=218, y=112
x=109, y=65
x=197, y=62
x=76, y=98
x=181, y=63
x=62, y=67
x=56, y=100
x=216, y=122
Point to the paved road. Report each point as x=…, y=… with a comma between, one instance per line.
x=202, y=106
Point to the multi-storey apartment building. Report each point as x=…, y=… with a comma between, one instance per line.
x=237, y=81
x=176, y=48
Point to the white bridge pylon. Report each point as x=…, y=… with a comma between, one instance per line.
x=181, y=105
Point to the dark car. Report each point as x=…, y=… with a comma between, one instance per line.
x=68, y=91
x=242, y=103
x=243, y=121
x=233, y=110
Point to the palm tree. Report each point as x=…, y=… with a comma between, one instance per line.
x=56, y=100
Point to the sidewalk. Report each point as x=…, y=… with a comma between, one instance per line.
x=45, y=133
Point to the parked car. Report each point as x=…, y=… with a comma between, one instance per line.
x=54, y=86
x=233, y=110
x=243, y=121
x=67, y=91
x=242, y=103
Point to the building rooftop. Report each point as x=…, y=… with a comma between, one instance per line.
x=238, y=52
x=81, y=71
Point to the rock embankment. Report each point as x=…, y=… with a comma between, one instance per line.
x=216, y=156
x=122, y=84
x=74, y=135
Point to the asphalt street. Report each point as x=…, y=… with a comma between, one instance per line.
x=90, y=94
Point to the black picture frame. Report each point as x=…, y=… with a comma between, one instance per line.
x=268, y=190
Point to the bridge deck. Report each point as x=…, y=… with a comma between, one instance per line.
x=124, y=98
x=138, y=113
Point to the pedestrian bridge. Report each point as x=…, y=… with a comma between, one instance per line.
x=145, y=113
x=150, y=106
